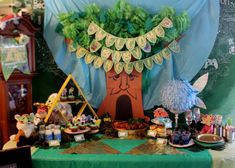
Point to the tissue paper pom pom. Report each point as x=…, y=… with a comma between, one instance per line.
x=178, y=96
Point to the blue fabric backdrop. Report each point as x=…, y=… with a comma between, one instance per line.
x=195, y=46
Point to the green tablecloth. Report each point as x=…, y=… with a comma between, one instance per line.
x=46, y=158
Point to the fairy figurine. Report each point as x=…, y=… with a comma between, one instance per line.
x=63, y=96
x=71, y=94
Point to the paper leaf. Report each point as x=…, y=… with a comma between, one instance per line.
x=119, y=43
x=147, y=48
x=95, y=46
x=130, y=44
x=108, y=64
x=118, y=67
x=201, y=82
x=98, y=62
x=141, y=41
x=100, y=35
x=151, y=36
x=105, y=53
x=128, y=68
x=166, y=53
x=110, y=40
x=89, y=58
x=159, y=31
x=136, y=52
x=81, y=52
x=174, y=46
x=200, y=103
x=139, y=66
x=167, y=23
x=116, y=57
x=148, y=63
x=126, y=56
x=157, y=58
x=92, y=28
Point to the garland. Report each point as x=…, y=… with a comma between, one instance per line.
x=110, y=39
x=128, y=67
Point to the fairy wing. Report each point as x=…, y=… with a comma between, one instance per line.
x=200, y=103
x=201, y=82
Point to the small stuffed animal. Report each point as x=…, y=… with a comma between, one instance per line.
x=208, y=121
x=25, y=126
x=41, y=113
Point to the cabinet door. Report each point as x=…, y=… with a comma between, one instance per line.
x=20, y=101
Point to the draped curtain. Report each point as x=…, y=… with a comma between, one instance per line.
x=196, y=45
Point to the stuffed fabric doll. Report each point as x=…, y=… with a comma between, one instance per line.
x=208, y=121
x=25, y=126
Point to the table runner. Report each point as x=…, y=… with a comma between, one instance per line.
x=53, y=157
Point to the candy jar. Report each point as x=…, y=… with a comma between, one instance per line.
x=57, y=133
x=48, y=134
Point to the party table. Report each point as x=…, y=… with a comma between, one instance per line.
x=53, y=157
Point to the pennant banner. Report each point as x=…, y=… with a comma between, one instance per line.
x=13, y=55
x=14, y=58
x=128, y=66
x=118, y=55
x=130, y=43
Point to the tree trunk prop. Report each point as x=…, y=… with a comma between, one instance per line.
x=124, y=96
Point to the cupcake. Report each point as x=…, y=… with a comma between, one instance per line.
x=93, y=127
x=82, y=126
x=73, y=128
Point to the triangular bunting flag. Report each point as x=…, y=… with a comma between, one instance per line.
x=119, y=43
x=116, y=56
x=159, y=31
x=174, y=46
x=136, y=52
x=141, y=41
x=126, y=56
x=157, y=58
x=166, y=53
x=95, y=46
x=71, y=48
x=128, y=68
x=110, y=40
x=100, y=35
x=92, y=29
x=148, y=63
x=167, y=23
x=98, y=62
x=151, y=36
x=81, y=52
x=118, y=67
x=147, y=48
x=138, y=66
x=130, y=44
x=108, y=64
x=105, y=53
x=89, y=58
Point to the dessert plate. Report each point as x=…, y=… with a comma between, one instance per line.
x=210, y=145
x=93, y=131
x=68, y=131
x=191, y=142
x=209, y=138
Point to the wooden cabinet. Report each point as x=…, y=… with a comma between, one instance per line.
x=16, y=92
